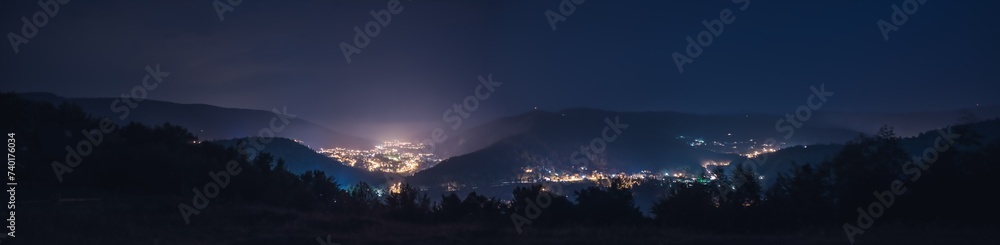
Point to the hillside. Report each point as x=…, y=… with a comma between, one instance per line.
x=300, y=158
x=586, y=123
x=209, y=122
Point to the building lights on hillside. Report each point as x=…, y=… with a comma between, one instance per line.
x=392, y=156
x=396, y=188
x=758, y=152
x=708, y=164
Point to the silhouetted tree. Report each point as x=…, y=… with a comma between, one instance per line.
x=608, y=205
x=407, y=203
x=863, y=166
x=541, y=206
x=802, y=198
x=688, y=205
x=450, y=208
x=263, y=161
x=364, y=198
x=326, y=189
x=747, y=187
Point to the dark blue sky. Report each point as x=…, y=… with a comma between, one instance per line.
x=607, y=54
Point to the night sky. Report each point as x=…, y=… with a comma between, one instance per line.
x=612, y=55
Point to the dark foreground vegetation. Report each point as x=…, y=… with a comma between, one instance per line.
x=133, y=186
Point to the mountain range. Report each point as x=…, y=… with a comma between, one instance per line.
x=543, y=142
x=209, y=122
x=299, y=159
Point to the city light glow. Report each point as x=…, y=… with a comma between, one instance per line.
x=395, y=156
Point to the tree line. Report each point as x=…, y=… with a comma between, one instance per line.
x=167, y=160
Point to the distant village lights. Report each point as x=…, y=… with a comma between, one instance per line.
x=390, y=157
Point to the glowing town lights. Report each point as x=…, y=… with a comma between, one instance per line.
x=407, y=158
x=713, y=163
x=396, y=188
x=764, y=150
x=392, y=156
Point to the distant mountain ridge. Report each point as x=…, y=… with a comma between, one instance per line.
x=665, y=123
x=906, y=124
x=552, y=141
x=781, y=161
x=498, y=151
x=300, y=158
x=211, y=122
